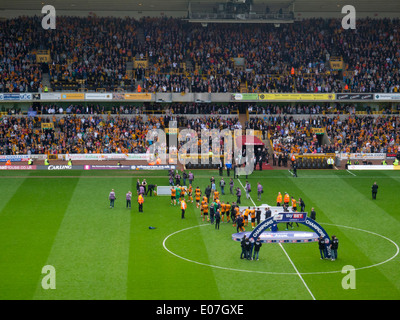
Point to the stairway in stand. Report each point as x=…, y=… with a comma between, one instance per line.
x=46, y=81
x=140, y=36
x=242, y=119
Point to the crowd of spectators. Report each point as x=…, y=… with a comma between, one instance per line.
x=89, y=132
x=110, y=133
x=365, y=134
x=19, y=71
x=353, y=134
x=76, y=134
x=187, y=57
x=372, y=54
x=92, y=49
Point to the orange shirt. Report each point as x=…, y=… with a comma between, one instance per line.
x=183, y=205
x=286, y=198
x=223, y=207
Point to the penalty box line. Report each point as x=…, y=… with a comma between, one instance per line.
x=287, y=255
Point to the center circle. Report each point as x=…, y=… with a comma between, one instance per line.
x=279, y=273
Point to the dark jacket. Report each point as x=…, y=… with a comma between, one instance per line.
x=257, y=245
x=321, y=244
x=335, y=244
x=207, y=192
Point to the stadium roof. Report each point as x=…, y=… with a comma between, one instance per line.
x=182, y=5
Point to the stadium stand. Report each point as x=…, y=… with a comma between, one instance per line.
x=172, y=55
x=169, y=55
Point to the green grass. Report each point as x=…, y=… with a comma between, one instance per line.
x=63, y=219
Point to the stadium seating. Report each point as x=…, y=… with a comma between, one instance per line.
x=177, y=56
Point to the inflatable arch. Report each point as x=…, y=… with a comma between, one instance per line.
x=272, y=222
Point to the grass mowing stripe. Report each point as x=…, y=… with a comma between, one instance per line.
x=7, y=190
x=290, y=260
x=340, y=199
x=91, y=250
x=300, y=276
x=153, y=272
x=346, y=203
x=28, y=225
x=387, y=190
x=383, y=217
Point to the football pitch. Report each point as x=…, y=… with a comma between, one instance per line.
x=63, y=219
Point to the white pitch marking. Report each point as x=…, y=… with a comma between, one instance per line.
x=290, y=260
x=351, y=173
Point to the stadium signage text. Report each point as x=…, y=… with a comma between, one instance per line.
x=387, y=96
x=290, y=217
x=153, y=167
x=105, y=156
x=362, y=156
x=106, y=167
x=373, y=167
x=217, y=97
x=354, y=96
x=15, y=96
x=297, y=96
x=316, y=227
x=17, y=167
x=17, y=158
x=59, y=167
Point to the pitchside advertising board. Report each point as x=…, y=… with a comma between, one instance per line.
x=104, y=156
x=87, y=167
x=361, y=156
x=59, y=167
x=16, y=158
x=373, y=167
x=18, y=167
x=134, y=167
